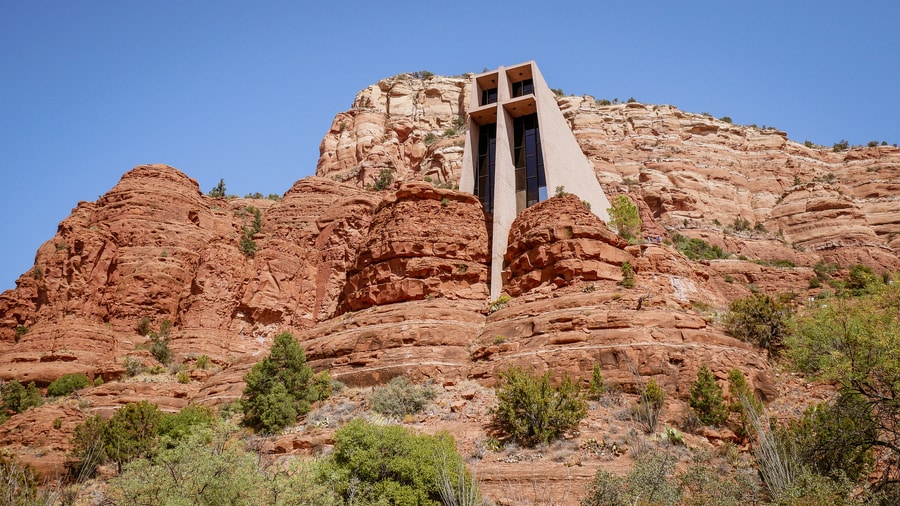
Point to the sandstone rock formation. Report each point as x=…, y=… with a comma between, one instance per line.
x=377, y=284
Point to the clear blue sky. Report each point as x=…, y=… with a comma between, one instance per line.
x=245, y=90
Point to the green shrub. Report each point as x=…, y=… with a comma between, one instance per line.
x=132, y=432
x=279, y=388
x=21, y=330
x=741, y=224
x=740, y=394
x=861, y=279
x=247, y=244
x=606, y=489
x=67, y=384
x=400, y=397
x=211, y=466
x=176, y=427
x=650, y=482
x=374, y=464
x=202, y=362
x=144, y=326
x=697, y=249
x=19, y=398
x=386, y=176
x=183, y=377
x=706, y=398
x=649, y=405
x=853, y=343
x=531, y=411
x=219, y=190
x=625, y=218
x=835, y=439
x=499, y=303
x=159, y=343
x=759, y=320
x=133, y=366
x=19, y=485
x=627, y=275
x=597, y=387
x=839, y=146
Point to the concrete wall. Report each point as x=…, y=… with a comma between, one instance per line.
x=564, y=163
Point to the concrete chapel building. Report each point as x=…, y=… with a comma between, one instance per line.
x=519, y=149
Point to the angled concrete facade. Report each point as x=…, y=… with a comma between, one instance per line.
x=519, y=149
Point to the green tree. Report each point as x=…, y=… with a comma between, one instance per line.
x=836, y=439
x=854, y=342
x=281, y=387
x=532, y=411
x=625, y=219
x=706, y=398
x=759, y=320
x=219, y=190
x=67, y=384
x=132, y=432
x=597, y=387
x=19, y=398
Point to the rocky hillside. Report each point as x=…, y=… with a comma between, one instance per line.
x=377, y=284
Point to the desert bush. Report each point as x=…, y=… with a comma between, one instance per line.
x=650, y=402
x=624, y=218
x=531, y=411
x=597, y=388
x=706, y=482
x=834, y=440
x=759, y=320
x=219, y=190
x=697, y=249
x=159, y=340
x=19, y=483
x=279, y=388
x=740, y=394
x=67, y=384
x=651, y=481
x=211, y=466
x=627, y=275
x=19, y=398
x=133, y=366
x=202, y=362
x=853, y=343
x=605, y=489
x=776, y=457
x=375, y=464
x=861, y=279
x=706, y=398
x=400, y=397
x=841, y=145
x=131, y=433
x=386, y=176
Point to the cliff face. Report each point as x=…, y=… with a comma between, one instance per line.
x=381, y=283
x=690, y=173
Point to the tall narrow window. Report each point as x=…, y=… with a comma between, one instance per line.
x=489, y=96
x=525, y=87
x=531, y=186
x=487, y=157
